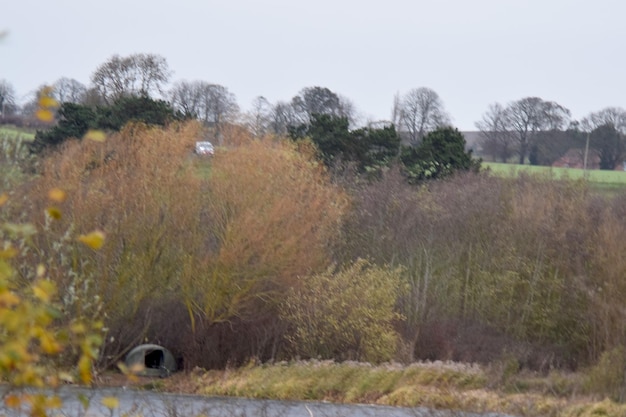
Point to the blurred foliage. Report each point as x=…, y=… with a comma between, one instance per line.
x=38, y=347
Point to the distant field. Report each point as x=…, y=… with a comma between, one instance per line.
x=596, y=175
x=609, y=182
x=14, y=132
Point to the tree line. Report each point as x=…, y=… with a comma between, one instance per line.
x=123, y=88
x=538, y=132
x=531, y=130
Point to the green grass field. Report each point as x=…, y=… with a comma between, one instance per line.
x=11, y=132
x=599, y=179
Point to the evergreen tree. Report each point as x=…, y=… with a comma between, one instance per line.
x=440, y=154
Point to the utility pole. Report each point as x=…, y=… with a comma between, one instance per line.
x=586, y=153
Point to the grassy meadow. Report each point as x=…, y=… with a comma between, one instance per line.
x=601, y=180
x=11, y=132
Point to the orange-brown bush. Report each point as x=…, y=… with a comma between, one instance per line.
x=191, y=241
x=276, y=212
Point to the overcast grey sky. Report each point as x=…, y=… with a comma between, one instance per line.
x=471, y=52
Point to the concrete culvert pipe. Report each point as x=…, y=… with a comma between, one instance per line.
x=151, y=360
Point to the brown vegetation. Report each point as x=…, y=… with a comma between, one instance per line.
x=206, y=256
x=198, y=251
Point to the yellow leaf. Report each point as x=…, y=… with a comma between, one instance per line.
x=7, y=253
x=12, y=321
x=57, y=195
x=41, y=271
x=4, y=197
x=44, y=290
x=41, y=294
x=94, y=240
x=52, y=381
x=54, y=212
x=44, y=115
x=54, y=402
x=84, y=369
x=37, y=405
x=130, y=373
x=78, y=328
x=66, y=377
x=137, y=368
x=110, y=402
x=12, y=401
x=123, y=368
x=49, y=345
x=47, y=102
x=95, y=135
x=9, y=299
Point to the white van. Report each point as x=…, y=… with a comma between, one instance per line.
x=204, y=148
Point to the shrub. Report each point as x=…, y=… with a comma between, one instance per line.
x=345, y=314
x=274, y=215
x=608, y=376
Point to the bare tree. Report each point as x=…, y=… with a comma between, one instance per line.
x=555, y=116
x=321, y=100
x=259, y=117
x=614, y=116
x=610, y=145
x=211, y=103
x=93, y=98
x=421, y=111
x=526, y=117
x=396, y=111
x=349, y=110
x=495, y=137
x=283, y=117
x=153, y=72
x=68, y=90
x=218, y=105
x=186, y=96
x=605, y=131
x=7, y=98
x=138, y=74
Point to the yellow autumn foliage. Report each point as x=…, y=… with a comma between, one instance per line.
x=94, y=240
x=32, y=337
